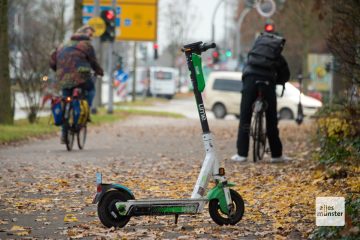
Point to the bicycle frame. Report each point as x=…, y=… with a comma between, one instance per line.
x=258, y=122
x=73, y=127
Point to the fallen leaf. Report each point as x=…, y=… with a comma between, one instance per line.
x=70, y=218
x=17, y=228
x=23, y=233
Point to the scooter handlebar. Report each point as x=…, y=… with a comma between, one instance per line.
x=207, y=46
x=198, y=47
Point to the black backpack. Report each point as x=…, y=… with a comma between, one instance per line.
x=266, y=51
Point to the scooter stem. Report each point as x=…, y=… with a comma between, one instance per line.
x=210, y=167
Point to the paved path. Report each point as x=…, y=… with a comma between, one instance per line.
x=41, y=183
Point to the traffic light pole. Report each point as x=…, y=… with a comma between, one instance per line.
x=110, y=109
x=98, y=82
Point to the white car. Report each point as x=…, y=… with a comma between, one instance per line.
x=222, y=96
x=288, y=104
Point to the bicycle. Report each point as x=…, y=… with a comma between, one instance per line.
x=75, y=118
x=258, y=125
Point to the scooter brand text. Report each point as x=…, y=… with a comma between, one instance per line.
x=202, y=112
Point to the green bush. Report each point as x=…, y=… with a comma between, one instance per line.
x=339, y=134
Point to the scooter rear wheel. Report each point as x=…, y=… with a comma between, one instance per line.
x=221, y=218
x=107, y=212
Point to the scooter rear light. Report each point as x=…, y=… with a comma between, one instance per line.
x=98, y=188
x=68, y=99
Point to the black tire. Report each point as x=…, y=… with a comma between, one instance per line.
x=286, y=114
x=259, y=137
x=69, y=133
x=223, y=219
x=106, y=209
x=219, y=110
x=69, y=139
x=81, y=136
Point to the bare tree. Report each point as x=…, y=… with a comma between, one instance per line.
x=45, y=29
x=77, y=14
x=6, y=115
x=180, y=20
x=303, y=23
x=305, y=29
x=344, y=42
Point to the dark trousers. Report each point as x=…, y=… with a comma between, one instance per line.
x=249, y=95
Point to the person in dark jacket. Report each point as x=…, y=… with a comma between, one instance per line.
x=265, y=63
x=73, y=62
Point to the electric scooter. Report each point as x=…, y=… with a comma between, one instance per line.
x=117, y=204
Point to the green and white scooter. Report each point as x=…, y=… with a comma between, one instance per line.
x=117, y=204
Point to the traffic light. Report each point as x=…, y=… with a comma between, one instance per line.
x=215, y=56
x=228, y=53
x=156, y=47
x=109, y=18
x=269, y=27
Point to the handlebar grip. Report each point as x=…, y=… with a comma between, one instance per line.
x=207, y=46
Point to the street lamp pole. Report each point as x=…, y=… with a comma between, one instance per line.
x=238, y=30
x=213, y=21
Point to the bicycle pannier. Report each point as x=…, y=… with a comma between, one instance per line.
x=57, y=111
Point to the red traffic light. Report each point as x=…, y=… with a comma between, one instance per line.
x=156, y=46
x=215, y=54
x=110, y=14
x=269, y=27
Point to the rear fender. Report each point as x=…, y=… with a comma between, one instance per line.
x=107, y=187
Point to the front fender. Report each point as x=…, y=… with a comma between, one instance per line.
x=106, y=187
x=217, y=192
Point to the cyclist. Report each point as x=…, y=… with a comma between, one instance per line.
x=73, y=62
x=265, y=63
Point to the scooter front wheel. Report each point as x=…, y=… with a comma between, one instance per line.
x=107, y=211
x=221, y=218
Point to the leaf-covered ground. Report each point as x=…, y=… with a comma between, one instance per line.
x=46, y=192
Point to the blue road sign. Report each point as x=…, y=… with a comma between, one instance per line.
x=127, y=22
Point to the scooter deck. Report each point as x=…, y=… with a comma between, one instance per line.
x=166, y=200
x=161, y=206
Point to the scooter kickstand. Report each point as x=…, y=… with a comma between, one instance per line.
x=176, y=218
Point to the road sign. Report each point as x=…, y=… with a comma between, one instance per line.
x=265, y=8
x=136, y=20
x=98, y=24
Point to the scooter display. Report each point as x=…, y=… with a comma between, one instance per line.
x=117, y=204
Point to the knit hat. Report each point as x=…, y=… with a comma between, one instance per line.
x=84, y=28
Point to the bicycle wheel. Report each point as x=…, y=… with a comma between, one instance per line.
x=81, y=136
x=259, y=136
x=69, y=133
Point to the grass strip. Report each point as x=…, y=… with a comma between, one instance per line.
x=23, y=130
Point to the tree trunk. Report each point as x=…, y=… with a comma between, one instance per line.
x=77, y=14
x=6, y=116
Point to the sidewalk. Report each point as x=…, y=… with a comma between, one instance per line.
x=46, y=192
